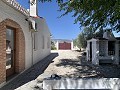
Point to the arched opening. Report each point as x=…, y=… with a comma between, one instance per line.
x=12, y=49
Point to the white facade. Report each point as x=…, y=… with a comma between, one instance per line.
x=32, y=55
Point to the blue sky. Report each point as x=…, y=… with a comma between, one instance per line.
x=60, y=28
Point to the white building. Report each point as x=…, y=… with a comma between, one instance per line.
x=104, y=50
x=24, y=38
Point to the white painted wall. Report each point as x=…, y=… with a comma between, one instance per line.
x=43, y=32
x=88, y=51
x=95, y=51
x=11, y=13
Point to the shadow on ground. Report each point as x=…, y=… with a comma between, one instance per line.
x=81, y=68
x=84, y=69
x=30, y=74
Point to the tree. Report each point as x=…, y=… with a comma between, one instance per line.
x=82, y=40
x=98, y=14
x=53, y=46
x=75, y=42
x=87, y=34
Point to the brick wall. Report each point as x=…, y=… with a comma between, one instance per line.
x=2, y=53
x=20, y=48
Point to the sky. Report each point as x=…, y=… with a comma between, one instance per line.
x=60, y=28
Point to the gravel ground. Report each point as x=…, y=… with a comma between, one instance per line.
x=72, y=64
x=67, y=64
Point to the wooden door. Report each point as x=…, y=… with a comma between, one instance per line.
x=10, y=51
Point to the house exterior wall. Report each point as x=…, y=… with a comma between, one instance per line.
x=43, y=47
x=31, y=56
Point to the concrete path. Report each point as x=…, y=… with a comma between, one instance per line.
x=31, y=74
x=67, y=64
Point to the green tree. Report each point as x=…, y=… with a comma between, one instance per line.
x=81, y=40
x=95, y=13
x=98, y=14
x=75, y=42
x=53, y=46
x=86, y=34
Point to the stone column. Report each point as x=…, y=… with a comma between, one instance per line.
x=72, y=45
x=88, y=51
x=57, y=45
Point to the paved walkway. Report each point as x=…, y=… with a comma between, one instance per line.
x=30, y=74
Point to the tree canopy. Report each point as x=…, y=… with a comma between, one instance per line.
x=98, y=14
x=86, y=34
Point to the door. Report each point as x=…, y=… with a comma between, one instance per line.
x=10, y=51
x=90, y=51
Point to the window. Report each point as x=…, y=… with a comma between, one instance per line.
x=48, y=43
x=30, y=24
x=35, y=41
x=102, y=48
x=111, y=47
x=43, y=45
x=33, y=25
x=36, y=26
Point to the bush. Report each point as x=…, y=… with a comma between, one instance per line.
x=53, y=48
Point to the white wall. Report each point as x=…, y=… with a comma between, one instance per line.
x=9, y=12
x=95, y=51
x=88, y=51
x=43, y=32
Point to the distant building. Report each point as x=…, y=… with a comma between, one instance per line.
x=24, y=38
x=63, y=44
x=104, y=50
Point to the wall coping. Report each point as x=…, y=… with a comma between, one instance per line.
x=14, y=4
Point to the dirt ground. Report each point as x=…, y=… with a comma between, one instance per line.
x=72, y=64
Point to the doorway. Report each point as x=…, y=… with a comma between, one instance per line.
x=10, y=51
x=111, y=48
x=90, y=51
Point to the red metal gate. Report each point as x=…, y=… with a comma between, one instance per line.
x=65, y=46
